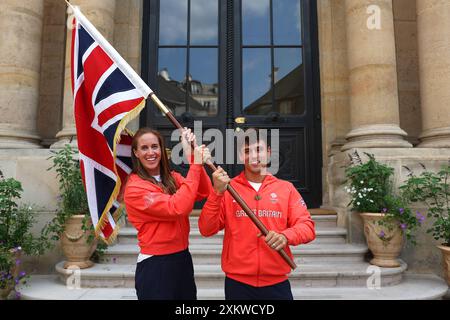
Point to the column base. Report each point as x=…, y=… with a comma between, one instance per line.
x=435, y=138
x=66, y=136
x=377, y=136
x=336, y=146
x=18, y=140
x=62, y=142
x=46, y=143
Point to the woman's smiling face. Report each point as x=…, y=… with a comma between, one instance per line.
x=148, y=152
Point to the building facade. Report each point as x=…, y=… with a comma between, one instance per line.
x=334, y=76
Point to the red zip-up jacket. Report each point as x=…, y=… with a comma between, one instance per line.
x=245, y=257
x=162, y=220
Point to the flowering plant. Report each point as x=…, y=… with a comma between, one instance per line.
x=371, y=190
x=10, y=276
x=15, y=237
x=368, y=183
x=433, y=190
x=397, y=213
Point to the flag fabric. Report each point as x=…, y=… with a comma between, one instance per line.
x=107, y=95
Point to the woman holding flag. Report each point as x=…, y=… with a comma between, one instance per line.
x=158, y=204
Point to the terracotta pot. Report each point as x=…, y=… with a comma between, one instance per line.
x=74, y=242
x=446, y=262
x=386, y=251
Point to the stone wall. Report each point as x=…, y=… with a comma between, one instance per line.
x=40, y=192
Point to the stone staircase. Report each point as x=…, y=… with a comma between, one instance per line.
x=328, y=268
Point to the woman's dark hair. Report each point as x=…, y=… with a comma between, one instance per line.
x=167, y=181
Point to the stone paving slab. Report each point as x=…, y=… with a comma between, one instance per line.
x=414, y=287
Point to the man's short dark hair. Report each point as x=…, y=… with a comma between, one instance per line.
x=261, y=135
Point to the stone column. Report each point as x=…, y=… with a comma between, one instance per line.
x=20, y=60
x=433, y=26
x=101, y=14
x=373, y=77
x=340, y=89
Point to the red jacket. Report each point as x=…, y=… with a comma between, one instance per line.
x=162, y=220
x=245, y=257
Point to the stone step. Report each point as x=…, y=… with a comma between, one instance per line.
x=212, y=276
x=128, y=235
x=413, y=287
x=210, y=253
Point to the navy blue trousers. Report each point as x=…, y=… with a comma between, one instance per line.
x=235, y=290
x=166, y=277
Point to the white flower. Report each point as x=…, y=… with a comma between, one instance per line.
x=358, y=203
x=371, y=201
x=359, y=195
x=362, y=182
x=30, y=208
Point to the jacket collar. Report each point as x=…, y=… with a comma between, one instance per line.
x=242, y=179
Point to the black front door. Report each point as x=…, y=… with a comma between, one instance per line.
x=240, y=63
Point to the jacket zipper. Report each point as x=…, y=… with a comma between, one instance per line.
x=257, y=245
x=257, y=239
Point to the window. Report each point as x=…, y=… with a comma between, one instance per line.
x=272, y=55
x=188, y=55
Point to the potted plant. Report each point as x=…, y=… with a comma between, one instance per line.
x=433, y=190
x=387, y=218
x=15, y=236
x=72, y=224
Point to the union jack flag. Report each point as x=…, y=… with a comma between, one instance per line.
x=107, y=95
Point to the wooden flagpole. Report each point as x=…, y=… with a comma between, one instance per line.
x=230, y=189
